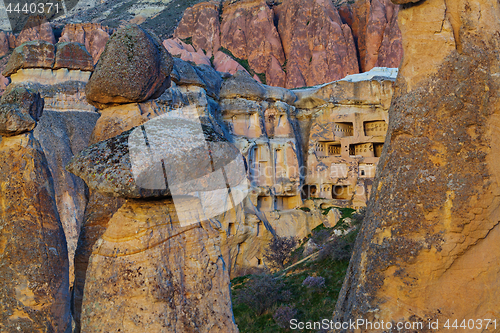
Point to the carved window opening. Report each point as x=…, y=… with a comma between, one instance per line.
x=341, y=192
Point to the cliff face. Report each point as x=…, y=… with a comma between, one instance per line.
x=430, y=239
x=298, y=43
x=287, y=44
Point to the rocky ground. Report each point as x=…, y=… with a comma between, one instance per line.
x=161, y=16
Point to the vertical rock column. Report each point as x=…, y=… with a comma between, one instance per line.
x=430, y=244
x=133, y=68
x=34, y=286
x=158, y=267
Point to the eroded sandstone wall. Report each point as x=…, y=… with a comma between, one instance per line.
x=429, y=245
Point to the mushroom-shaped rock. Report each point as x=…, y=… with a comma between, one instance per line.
x=20, y=109
x=73, y=56
x=34, y=54
x=134, y=67
x=163, y=157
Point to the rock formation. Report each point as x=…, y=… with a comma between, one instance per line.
x=34, y=54
x=134, y=67
x=319, y=48
x=36, y=28
x=169, y=278
x=224, y=63
x=345, y=141
x=34, y=280
x=429, y=247
x=113, y=121
x=201, y=24
x=248, y=32
x=93, y=35
x=68, y=120
x=175, y=247
x=176, y=47
x=317, y=41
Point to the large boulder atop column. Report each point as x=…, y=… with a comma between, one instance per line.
x=151, y=273
x=20, y=109
x=134, y=67
x=429, y=248
x=125, y=166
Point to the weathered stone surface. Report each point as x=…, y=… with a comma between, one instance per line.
x=168, y=277
x=93, y=35
x=330, y=57
x=4, y=44
x=34, y=286
x=345, y=139
x=201, y=24
x=431, y=236
x=98, y=212
x=383, y=37
x=35, y=54
x=391, y=50
x=187, y=53
x=73, y=56
x=20, y=109
x=61, y=135
x=248, y=31
x=275, y=75
x=36, y=28
x=224, y=63
x=114, y=121
x=244, y=86
x=122, y=167
x=62, y=90
x=183, y=74
x=134, y=67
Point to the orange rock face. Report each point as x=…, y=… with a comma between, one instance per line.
x=93, y=35
x=201, y=24
x=34, y=286
x=224, y=63
x=429, y=247
x=165, y=277
x=319, y=48
x=318, y=42
x=248, y=31
x=36, y=28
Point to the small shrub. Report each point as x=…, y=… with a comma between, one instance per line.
x=262, y=292
x=283, y=315
x=277, y=253
x=321, y=236
x=314, y=282
x=337, y=250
